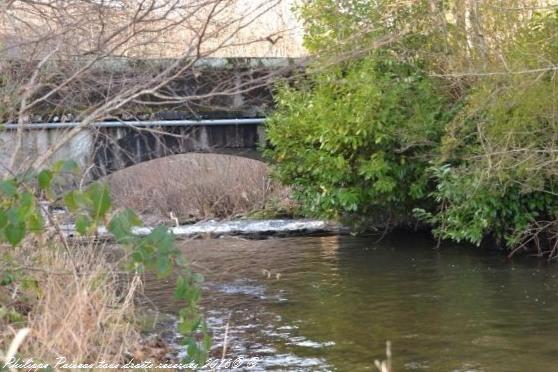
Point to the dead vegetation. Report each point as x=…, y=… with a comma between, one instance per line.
x=156, y=28
x=76, y=305
x=196, y=186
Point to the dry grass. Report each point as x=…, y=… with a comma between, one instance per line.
x=83, y=314
x=195, y=186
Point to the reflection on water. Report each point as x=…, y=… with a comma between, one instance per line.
x=330, y=303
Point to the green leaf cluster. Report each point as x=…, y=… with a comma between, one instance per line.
x=445, y=112
x=501, y=170
x=357, y=139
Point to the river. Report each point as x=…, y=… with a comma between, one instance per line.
x=331, y=303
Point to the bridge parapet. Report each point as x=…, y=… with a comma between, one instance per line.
x=208, y=88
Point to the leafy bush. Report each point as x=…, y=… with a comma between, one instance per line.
x=472, y=208
x=472, y=152
x=356, y=140
x=500, y=172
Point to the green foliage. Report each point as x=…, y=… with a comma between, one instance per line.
x=445, y=108
x=335, y=27
x=472, y=209
x=19, y=213
x=356, y=140
x=91, y=208
x=502, y=147
x=157, y=252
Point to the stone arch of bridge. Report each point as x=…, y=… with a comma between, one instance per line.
x=115, y=149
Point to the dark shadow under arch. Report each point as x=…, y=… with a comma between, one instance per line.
x=119, y=148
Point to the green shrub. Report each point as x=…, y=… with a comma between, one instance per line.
x=472, y=208
x=497, y=175
x=356, y=139
x=472, y=152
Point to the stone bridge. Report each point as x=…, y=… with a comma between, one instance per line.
x=231, y=124
x=107, y=147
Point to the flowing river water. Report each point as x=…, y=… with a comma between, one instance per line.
x=331, y=303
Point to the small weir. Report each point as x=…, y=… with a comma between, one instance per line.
x=248, y=228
